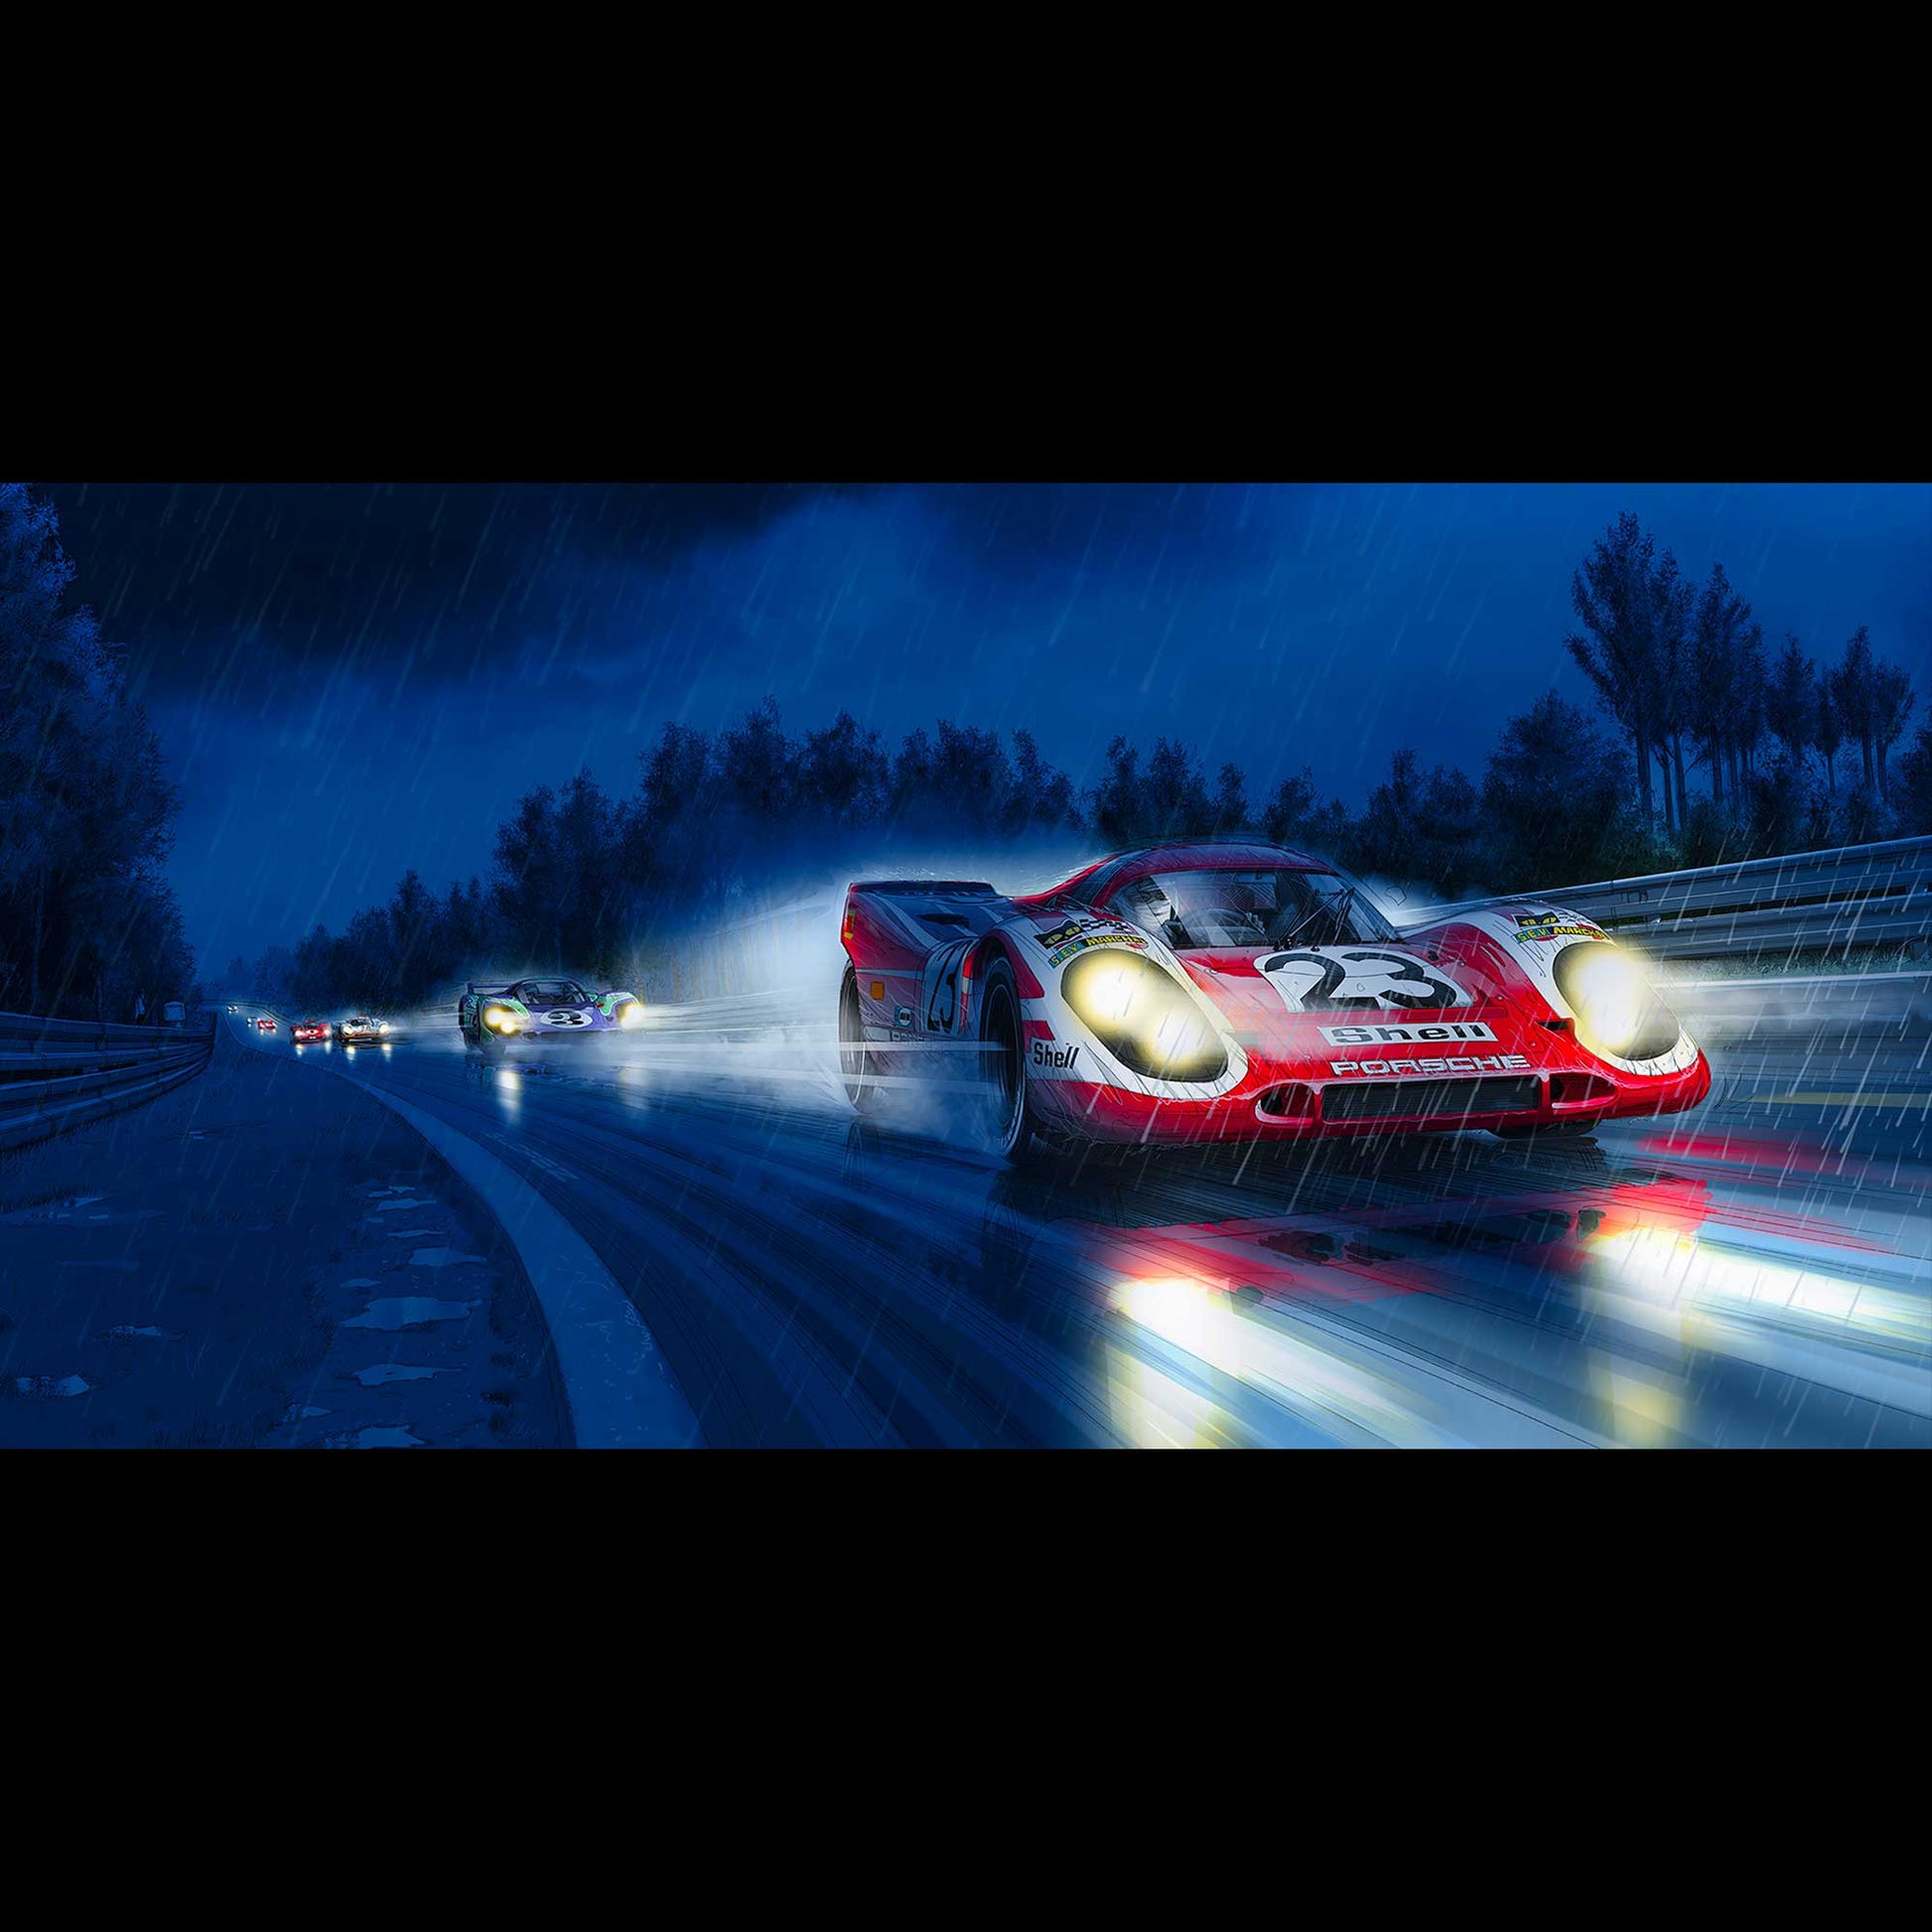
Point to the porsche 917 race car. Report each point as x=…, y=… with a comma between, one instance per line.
x=359, y=1029
x=537, y=1011
x=1238, y=992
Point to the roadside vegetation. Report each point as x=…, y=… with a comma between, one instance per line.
x=1703, y=745
x=88, y=923
x=1705, y=741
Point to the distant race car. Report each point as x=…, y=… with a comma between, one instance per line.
x=1240, y=992
x=265, y=1025
x=361, y=1030
x=306, y=1033
x=539, y=1011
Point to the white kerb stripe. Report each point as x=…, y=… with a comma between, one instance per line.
x=620, y=1390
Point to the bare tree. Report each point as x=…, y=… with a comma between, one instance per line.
x=1828, y=728
x=1747, y=709
x=1854, y=692
x=1717, y=660
x=1892, y=699
x=1790, y=707
x=1628, y=603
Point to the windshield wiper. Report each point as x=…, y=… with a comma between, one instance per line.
x=1340, y=905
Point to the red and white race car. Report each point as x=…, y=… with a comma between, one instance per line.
x=1212, y=991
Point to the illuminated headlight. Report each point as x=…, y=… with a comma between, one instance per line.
x=383, y=1028
x=1618, y=1011
x=500, y=1019
x=632, y=1013
x=1142, y=1016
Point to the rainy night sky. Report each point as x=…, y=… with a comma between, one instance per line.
x=356, y=678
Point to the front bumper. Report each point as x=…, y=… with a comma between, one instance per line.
x=545, y=1035
x=1274, y=1104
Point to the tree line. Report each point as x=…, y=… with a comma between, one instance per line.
x=1685, y=671
x=588, y=881
x=1704, y=746
x=87, y=924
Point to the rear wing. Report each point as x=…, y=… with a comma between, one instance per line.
x=897, y=923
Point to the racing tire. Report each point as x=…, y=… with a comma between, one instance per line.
x=855, y=1068
x=1003, y=1063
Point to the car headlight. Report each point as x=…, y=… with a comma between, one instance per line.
x=501, y=1018
x=632, y=1013
x=1142, y=1016
x=384, y=1028
x=1617, y=1010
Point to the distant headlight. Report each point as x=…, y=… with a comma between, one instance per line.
x=1142, y=1016
x=500, y=1018
x=632, y=1013
x=384, y=1028
x=1618, y=1011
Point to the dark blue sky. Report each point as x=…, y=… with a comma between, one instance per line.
x=353, y=679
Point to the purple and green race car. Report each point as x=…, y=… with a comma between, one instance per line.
x=540, y=1011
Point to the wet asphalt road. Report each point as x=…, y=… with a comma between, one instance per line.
x=1756, y=1273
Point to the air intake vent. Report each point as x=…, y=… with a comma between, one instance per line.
x=1291, y=1102
x=1430, y=1099
x=1575, y=1089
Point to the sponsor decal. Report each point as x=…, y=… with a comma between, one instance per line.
x=1059, y=934
x=1409, y=1036
x=1453, y=1063
x=1070, y=928
x=1556, y=930
x=1095, y=940
x=1045, y=1054
x=1318, y=978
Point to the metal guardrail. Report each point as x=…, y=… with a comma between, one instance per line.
x=1857, y=895
x=1839, y=1006
x=61, y=1073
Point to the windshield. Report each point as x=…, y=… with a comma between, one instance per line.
x=1212, y=911
x=553, y=990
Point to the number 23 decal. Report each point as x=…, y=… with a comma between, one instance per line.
x=1312, y=979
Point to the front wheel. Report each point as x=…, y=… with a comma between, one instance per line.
x=1003, y=1063
x=854, y=1063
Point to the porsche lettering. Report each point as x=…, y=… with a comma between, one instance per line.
x=1451, y=1063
